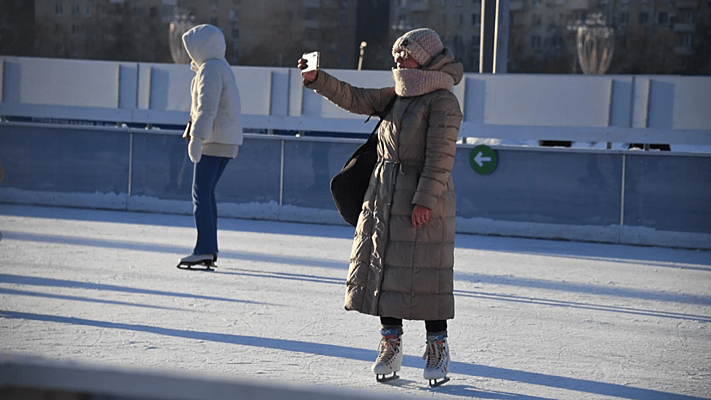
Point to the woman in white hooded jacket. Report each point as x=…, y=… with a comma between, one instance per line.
x=214, y=131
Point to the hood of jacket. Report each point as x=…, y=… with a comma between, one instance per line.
x=204, y=42
x=445, y=62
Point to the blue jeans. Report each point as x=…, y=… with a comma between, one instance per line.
x=206, y=174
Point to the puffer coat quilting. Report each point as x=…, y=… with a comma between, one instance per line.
x=397, y=270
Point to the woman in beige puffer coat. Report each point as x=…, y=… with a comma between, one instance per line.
x=403, y=253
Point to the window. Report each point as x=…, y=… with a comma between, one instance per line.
x=58, y=10
x=234, y=15
x=687, y=16
x=476, y=21
x=235, y=33
x=213, y=21
x=624, y=18
x=309, y=14
x=460, y=19
x=76, y=10
x=643, y=18
x=87, y=11
x=663, y=18
x=536, y=19
x=535, y=42
x=685, y=40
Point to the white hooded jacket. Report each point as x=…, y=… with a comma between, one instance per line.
x=215, y=128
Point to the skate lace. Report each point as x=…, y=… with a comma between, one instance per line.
x=434, y=353
x=387, y=349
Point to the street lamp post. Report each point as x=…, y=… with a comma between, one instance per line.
x=360, y=58
x=181, y=23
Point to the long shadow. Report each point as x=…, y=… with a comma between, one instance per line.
x=656, y=256
x=281, y=275
x=49, y=282
x=352, y=353
x=583, y=288
x=156, y=248
x=699, y=260
x=582, y=306
x=174, y=220
x=84, y=299
x=315, y=262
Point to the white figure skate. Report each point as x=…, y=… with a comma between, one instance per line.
x=437, y=356
x=389, y=358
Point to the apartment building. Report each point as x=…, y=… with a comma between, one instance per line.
x=458, y=23
x=277, y=32
x=265, y=32
x=651, y=36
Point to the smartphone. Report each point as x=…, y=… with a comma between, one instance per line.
x=312, y=60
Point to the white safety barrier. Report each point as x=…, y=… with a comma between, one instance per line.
x=589, y=108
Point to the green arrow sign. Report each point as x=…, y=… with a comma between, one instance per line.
x=483, y=159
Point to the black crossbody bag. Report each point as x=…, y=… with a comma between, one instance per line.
x=348, y=187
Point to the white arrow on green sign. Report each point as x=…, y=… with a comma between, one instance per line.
x=483, y=159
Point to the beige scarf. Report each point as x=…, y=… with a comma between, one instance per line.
x=416, y=82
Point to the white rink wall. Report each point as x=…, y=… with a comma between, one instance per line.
x=582, y=108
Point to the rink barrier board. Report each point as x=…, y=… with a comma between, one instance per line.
x=667, y=109
x=611, y=196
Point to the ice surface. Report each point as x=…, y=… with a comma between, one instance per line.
x=536, y=319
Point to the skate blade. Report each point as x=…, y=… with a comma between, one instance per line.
x=198, y=266
x=434, y=383
x=382, y=378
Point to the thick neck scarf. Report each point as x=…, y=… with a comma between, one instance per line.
x=416, y=82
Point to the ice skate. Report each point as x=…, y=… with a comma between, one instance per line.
x=204, y=262
x=389, y=358
x=437, y=356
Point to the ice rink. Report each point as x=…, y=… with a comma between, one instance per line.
x=535, y=319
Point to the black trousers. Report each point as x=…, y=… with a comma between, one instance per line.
x=431, y=326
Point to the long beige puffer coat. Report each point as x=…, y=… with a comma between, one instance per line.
x=397, y=270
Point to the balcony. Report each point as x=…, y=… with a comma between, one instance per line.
x=684, y=50
x=417, y=5
x=684, y=27
x=687, y=4
x=579, y=4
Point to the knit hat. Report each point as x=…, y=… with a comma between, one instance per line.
x=422, y=44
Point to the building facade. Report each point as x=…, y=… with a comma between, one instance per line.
x=266, y=33
x=651, y=36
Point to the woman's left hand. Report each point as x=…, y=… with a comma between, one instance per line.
x=420, y=215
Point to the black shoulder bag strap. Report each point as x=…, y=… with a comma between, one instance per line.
x=348, y=187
